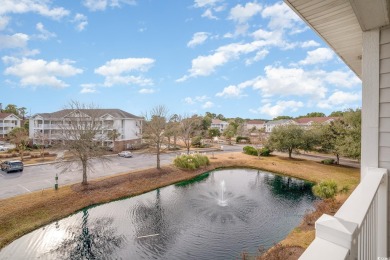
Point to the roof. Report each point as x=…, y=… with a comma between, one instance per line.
x=340, y=24
x=305, y=120
x=255, y=122
x=116, y=113
x=218, y=122
x=279, y=122
x=5, y=115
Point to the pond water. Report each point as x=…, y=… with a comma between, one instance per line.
x=218, y=215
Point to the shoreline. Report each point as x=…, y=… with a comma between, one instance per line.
x=25, y=213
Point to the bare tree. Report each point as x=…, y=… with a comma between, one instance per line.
x=41, y=140
x=82, y=134
x=188, y=127
x=113, y=135
x=172, y=130
x=153, y=129
x=19, y=137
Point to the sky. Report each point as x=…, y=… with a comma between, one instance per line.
x=249, y=59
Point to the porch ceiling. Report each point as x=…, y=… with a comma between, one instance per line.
x=340, y=23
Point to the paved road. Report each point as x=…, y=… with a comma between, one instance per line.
x=38, y=177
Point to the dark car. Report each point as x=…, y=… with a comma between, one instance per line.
x=12, y=166
x=3, y=164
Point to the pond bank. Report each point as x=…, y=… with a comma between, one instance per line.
x=25, y=213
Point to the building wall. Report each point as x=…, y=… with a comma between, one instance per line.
x=384, y=109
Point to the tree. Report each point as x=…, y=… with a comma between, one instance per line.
x=282, y=117
x=113, y=135
x=11, y=108
x=336, y=114
x=81, y=135
x=230, y=132
x=214, y=132
x=286, y=138
x=19, y=137
x=41, y=140
x=22, y=112
x=188, y=127
x=154, y=127
x=314, y=114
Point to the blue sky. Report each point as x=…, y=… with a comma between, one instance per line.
x=250, y=59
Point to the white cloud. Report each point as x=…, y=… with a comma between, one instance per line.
x=291, y=82
x=117, y=71
x=206, y=65
x=81, y=22
x=345, y=79
x=198, y=38
x=4, y=20
x=205, y=3
x=209, y=14
x=17, y=40
x=35, y=6
x=208, y=104
x=241, y=14
x=319, y=55
x=282, y=17
x=340, y=100
x=101, y=5
x=146, y=91
x=40, y=72
x=310, y=43
x=278, y=109
x=259, y=56
x=88, y=88
x=44, y=34
x=230, y=91
x=197, y=99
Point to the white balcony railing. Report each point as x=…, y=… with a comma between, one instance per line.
x=359, y=228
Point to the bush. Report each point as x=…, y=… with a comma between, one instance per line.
x=250, y=150
x=196, y=141
x=242, y=138
x=191, y=161
x=328, y=161
x=265, y=151
x=325, y=189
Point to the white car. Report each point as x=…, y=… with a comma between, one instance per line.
x=125, y=154
x=3, y=148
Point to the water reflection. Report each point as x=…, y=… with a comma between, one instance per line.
x=92, y=240
x=182, y=221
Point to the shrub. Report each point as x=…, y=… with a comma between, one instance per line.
x=265, y=151
x=196, y=141
x=191, y=161
x=250, y=150
x=242, y=138
x=325, y=189
x=328, y=161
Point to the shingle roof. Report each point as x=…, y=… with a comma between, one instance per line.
x=255, y=122
x=279, y=122
x=305, y=120
x=4, y=115
x=116, y=113
x=217, y=121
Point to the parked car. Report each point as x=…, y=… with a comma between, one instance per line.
x=12, y=166
x=3, y=148
x=125, y=154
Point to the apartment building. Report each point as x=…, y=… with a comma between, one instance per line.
x=51, y=125
x=8, y=121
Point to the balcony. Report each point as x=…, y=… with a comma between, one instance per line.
x=359, y=228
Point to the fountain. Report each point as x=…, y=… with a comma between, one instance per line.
x=222, y=201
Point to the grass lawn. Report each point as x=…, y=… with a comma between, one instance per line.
x=22, y=214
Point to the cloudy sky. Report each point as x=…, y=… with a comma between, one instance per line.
x=250, y=59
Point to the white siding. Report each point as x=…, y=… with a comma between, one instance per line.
x=384, y=105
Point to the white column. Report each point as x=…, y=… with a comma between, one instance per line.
x=370, y=101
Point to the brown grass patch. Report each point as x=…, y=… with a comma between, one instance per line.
x=22, y=214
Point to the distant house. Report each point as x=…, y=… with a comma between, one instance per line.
x=8, y=121
x=257, y=124
x=219, y=124
x=272, y=124
x=128, y=126
x=308, y=121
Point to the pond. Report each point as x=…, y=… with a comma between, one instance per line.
x=217, y=215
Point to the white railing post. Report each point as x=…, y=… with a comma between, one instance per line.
x=382, y=217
